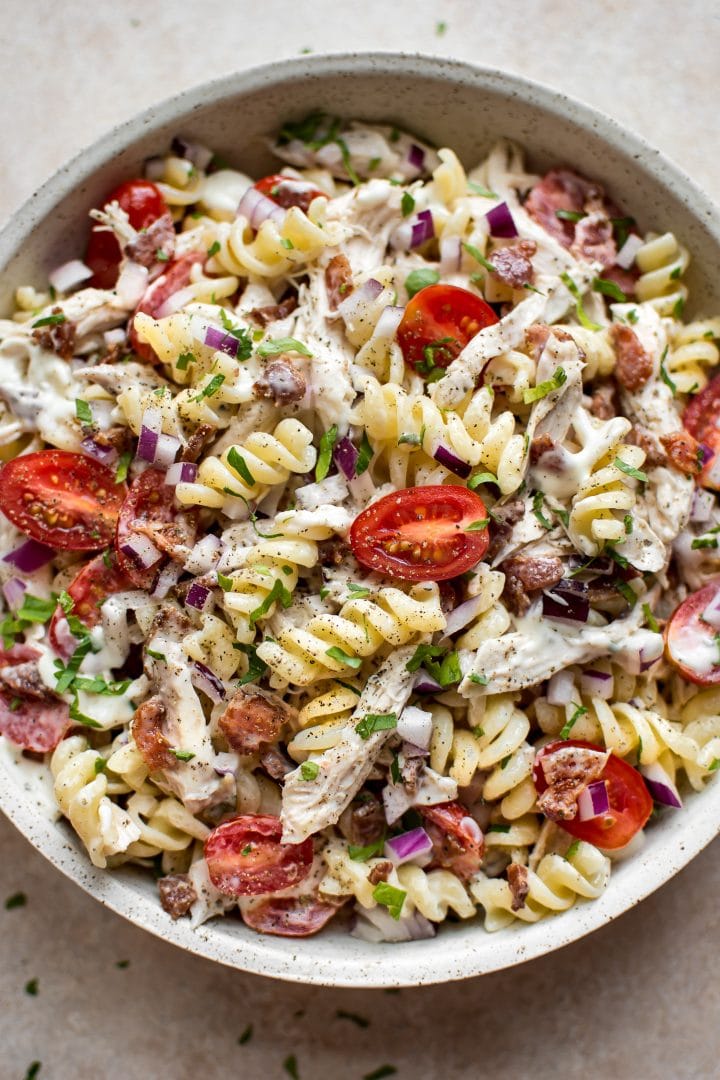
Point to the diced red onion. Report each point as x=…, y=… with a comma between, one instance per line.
x=415, y=725
x=626, y=255
x=593, y=802
x=346, y=455
x=30, y=556
x=425, y=684
x=396, y=801
x=711, y=614
x=207, y=681
x=390, y=319
x=69, y=275
x=182, y=472
x=705, y=453
x=106, y=455
x=221, y=341
x=413, y=233
x=176, y=301
x=597, y=684
x=463, y=614
x=154, y=168
x=377, y=925
x=561, y=688
x=166, y=580
x=661, y=786
x=131, y=284
x=444, y=456
x=197, y=596
x=565, y=605
x=14, y=591
x=141, y=550
x=450, y=254
x=205, y=555
x=500, y=222
x=257, y=208
x=354, y=304
x=702, y=505
x=416, y=157
x=226, y=763
x=640, y=651
x=166, y=451
x=414, y=846
x=198, y=154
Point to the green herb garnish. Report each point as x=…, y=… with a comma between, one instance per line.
x=420, y=279
x=373, y=722
x=327, y=442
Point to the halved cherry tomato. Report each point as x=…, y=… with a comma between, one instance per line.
x=287, y=192
x=64, y=500
x=691, y=643
x=143, y=204
x=246, y=857
x=700, y=417
x=289, y=916
x=175, y=277
x=438, y=323
x=150, y=502
x=630, y=801
x=89, y=589
x=422, y=533
x=458, y=842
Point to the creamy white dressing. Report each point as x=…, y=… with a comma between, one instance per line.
x=693, y=645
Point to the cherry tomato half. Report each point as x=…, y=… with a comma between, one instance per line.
x=175, y=277
x=246, y=857
x=89, y=589
x=143, y=204
x=64, y=500
x=290, y=916
x=630, y=800
x=150, y=501
x=699, y=418
x=438, y=323
x=690, y=642
x=458, y=842
x=422, y=533
x=287, y=192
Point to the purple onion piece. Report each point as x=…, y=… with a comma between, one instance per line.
x=182, y=472
x=594, y=801
x=425, y=684
x=452, y=462
x=416, y=156
x=501, y=222
x=257, y=208
x=705, y=453
x=197, y=596
x=199, y=155
x=346, y=455
x=14, y=592
x=141, y=550
x=463, y=614
x=106, y=455
x=30, y=556
x=221, y=341
x=166, y=580
x=408, y=846
x=565, y=605
x=147, y=444
x=423, y=228
x=661, y=786
x=208, y=681
x=560, y=688
x=68, y=276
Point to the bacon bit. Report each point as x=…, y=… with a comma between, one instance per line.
x=517, y=876
x=23, y=680
x=504, y=517
x=274, y=312
x=157, y=238
x=177, y=894
x=683, y=451
x=275, y=763
x=539, y=446
x=292, y=916
x=115, y=438
x=254, y=718
x=173, y=538
x=624, y=279
x=633, y=365
x=512, y=263
x=410, y=771
x=594, y=240
x=146, y=728
x=338, y=280
x=197, y=442
x=366, y=821
x=538, y=335
x=561, y=189
x=526, y=574
x=57, y=337
x=458, y=843
x=603, y=403
x=281, y=382
x=568, y=771
x=640, y=436
x=333, y=552
x=380, y=872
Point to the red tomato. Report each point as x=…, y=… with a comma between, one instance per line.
x=689, y=640
x=64, y=500
x=88, y=590
x=33, y=724
x=630, y=800
x=699, y=418
x=458, y=842
x=296, y=916
x=421, y=534
x=438, y=323
x=287, y=192
x=150, y=501
x=143, y=204
x=175, y=277
x=245, y=856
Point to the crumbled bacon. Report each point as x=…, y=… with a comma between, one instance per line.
x=603, y=403
x=594, y=240
x=254, y=718
x=683, y=452
x=57, y=337
x=539, y=446
x=517, y=876
x=410, y=771
x=504, y=517
x=338, y=280
x=526, y=574
x=177, y=894
x=591, y=236
x=512, y=263
x=366, y=821
x=281, y=382
x=640, y=436
x=568, y=771
x=115, y=438
x=275, y=763
x=274, y=312
x=146, y=728
x=174, y=538
x=633, y=365
x=380, y=872
x=155, y=245
x=333, y=552
x=538, y=335
x=197, y=442
x=24, y=681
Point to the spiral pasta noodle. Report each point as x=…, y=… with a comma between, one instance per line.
x=662, y=261
x=692, y=353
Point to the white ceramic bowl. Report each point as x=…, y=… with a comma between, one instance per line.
x=451, y=104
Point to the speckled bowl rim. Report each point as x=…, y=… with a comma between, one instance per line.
x=459, y=951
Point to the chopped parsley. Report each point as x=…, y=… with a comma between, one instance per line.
x=570, y=215
x=440, y=28
x=256, y=666
x=628, y=524
x=481, y=478
x=83, y=411
x=246, y=1035
x=383, y=1070
x=33, y=1070
x=309, y=770
x=50, y=320
x=183, y=755
x=478, y=189
x=31, y=987
x=580, y=710
x=498, y=828
x=664, y=374
x=409, y=439
x=479, y=257
x=365, y=455
x=420, y=279
x=240, y=334
x=122, y=467
x=157, y=655
x=213, y=249
x=407, y=204
x=362, y=854
x=572, y=850
x=627, y=592
x=373, y=722
x=535, y=393
x=36, y=610
x=278, y=592
x=18, y=899
x=183, y=360
x=477, y=526
x=390, y=897
x=324, y=459
x=609, y=288
x=442, y=665
x=621, y=228
x=161, y=256
x=287, y=243
x=579, y=309
x=479, y=680
x=650, y=619
x=290, y=1067
x=211, y=388
x=537, y=509
x=704, y=542
x=336, y=653
x=353, y=1017
x=237, y=462
x=637, y=474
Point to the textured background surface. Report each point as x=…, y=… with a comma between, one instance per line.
x=639, y=998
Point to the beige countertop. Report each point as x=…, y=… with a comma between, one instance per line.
x=638, y=999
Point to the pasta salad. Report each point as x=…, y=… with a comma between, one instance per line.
x=359, y=533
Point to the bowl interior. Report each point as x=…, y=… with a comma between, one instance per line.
x=450, y=104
